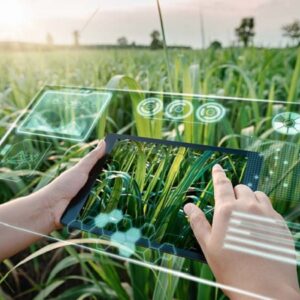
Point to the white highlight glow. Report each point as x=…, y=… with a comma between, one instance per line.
x=254, y=217
x=263, y=236
x=254, y=227
x=13, y=14
x=260, y=254
x=260, y=245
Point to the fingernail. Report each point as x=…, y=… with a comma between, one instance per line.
x=218, y=167
x=100, y=144
x=188, y=208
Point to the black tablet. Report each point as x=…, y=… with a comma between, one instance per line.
x=138, y=190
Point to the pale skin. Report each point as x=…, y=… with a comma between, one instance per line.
x=269, y=278
x=41, y=213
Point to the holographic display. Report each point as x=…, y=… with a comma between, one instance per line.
x=67, y=115
x=23, y=156
x=262, y=236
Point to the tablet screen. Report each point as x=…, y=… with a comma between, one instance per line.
x=145, y=184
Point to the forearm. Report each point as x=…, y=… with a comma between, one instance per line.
x=28, y=213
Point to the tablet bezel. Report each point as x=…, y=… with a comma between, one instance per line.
x=73, y=210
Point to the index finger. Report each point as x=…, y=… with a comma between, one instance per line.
x=223, y=189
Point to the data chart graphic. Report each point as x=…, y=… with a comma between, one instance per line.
x=67, y=115
x=26, y=155
x=287, y=123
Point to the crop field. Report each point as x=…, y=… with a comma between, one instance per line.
x=50, y=271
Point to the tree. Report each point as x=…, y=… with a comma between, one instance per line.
x=292, y=31
x=156, y=43
x=49, y=40
x=245, y=32
x=76, y=37
x=122, y=41
x=215, y=45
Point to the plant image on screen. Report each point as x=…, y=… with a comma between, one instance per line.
x=150, y=183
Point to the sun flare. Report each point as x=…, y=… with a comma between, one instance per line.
x=13, y=14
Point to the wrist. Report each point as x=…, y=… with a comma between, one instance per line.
x=55, y=205
x=47, y=208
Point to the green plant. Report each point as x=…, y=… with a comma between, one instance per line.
x=248, y=73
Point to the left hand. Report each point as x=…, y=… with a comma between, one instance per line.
x=64, y=188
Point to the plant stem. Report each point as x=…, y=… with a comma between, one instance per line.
x=165, y=45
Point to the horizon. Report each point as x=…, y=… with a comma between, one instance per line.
x=102, y=23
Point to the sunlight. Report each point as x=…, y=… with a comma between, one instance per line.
x=13, y=14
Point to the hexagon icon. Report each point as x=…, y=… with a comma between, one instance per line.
x=118, y=237
x=151, y=255
x=127, y=249
x=133, y=234
x=115, y=216
x=101, y=220
x=148, y=230
x=147, y=254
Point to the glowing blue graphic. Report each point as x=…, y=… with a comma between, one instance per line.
x=125, y=241
x=67, y=115
x=211, y=112
x=114, y=217
x=102, y=220
x=287, y=123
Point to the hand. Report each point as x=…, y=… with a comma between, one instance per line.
x=245, y=271
x=24, y=220
x=64, y=188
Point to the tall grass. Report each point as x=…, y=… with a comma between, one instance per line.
x=256, y=73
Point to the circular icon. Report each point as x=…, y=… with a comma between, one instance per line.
x=210, y=112
x=287, y=123
x=179, y=109
x=150, y=107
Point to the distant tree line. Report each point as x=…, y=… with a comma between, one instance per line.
x=245, y=33
x=292, y=31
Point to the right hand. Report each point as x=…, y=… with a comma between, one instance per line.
x=264, y=276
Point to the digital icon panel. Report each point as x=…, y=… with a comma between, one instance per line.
x=66, y=115
x=210, y=112
x=150, y=107
x=25, y=155
x=287, y=123
x=181, y=110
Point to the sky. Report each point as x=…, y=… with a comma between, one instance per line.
x=31, y=20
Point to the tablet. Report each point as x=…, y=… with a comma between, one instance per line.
x=139, y=188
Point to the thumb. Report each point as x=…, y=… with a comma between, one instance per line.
x=199, y=224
